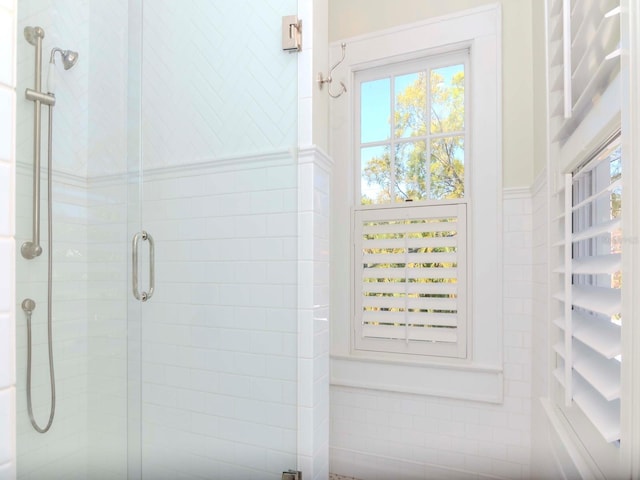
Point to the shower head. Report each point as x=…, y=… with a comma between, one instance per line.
x=69, y=57
x=32, y=34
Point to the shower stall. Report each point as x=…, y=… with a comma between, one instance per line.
x=175, y=248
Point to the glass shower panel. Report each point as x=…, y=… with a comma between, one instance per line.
x=87, y=438
x=218, y=345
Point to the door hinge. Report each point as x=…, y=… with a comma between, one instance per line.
x=291, y=33
x=292, y=475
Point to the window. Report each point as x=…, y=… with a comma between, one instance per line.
x=589, y=348
x=413, y=302
x=410, y=260
x=412, y=131
x=586, y=216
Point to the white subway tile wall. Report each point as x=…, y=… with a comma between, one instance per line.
x=7, y=242
x=541, y=467
x=219, y=373
x=379, y=435
x=63, y=448
x=219, y=337
x=314, y=173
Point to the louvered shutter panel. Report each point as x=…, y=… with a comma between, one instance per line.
x=584, y=58
x=410, y=280
x=589, y=351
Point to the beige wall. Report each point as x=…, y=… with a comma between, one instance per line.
x=349, y=18
x=539, y=88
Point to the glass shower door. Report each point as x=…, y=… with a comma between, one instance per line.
x=213, y=352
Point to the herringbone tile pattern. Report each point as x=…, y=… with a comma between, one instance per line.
x=215, y=81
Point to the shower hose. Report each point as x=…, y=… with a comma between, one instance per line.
x=28, y=305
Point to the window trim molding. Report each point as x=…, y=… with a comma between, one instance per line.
x=630, y=119
x=479, y=377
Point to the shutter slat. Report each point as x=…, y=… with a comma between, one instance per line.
x=555, y=51
x=559, y=349
x=431, y=319
x=413, y=273
x=606, y=191
x=604, y=415
x=424, y=288
x=437, y=257
x=594, y=37
x=556, y=102
x=425, y=334
x=597, y=230
x=558, y=374
x=555, y=79
x=409, y=303
x=601, y=335
x=440, y=225
x=555, y=8
x=607, y=301
x=603, y=264
x=399, y=243
x=602, y=375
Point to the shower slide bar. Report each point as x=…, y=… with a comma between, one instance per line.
x=32, y=249
x=144, y=296
x=34, y=36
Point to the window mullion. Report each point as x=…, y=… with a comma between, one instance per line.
x=429, y=136
x=406, y=286
x=392, y=146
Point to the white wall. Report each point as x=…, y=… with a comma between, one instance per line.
x=7, y=243
x=348, y=18
x=376, y=435
x=373, y=432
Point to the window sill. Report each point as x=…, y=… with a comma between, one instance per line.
x=479, y=383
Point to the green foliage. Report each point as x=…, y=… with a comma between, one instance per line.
x=416, y=177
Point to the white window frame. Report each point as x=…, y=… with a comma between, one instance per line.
x=479, y=376
x=361, y=341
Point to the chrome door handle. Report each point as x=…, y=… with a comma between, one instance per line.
x=144, y=296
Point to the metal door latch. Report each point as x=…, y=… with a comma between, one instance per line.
x=292, y=475
x=291, y=33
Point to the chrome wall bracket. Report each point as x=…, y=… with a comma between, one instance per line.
x=291, y=33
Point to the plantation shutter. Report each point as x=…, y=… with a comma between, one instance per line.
x=589, y=348
x=410, y=280
x=584, y=58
